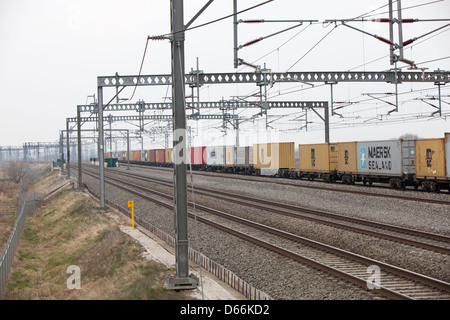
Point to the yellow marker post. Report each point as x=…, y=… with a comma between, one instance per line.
x=131, y=204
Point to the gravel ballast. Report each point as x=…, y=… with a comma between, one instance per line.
x=278, y=276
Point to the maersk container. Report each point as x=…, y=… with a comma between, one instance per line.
x=317, y=157
x=244, y=156
x=215, y=156
x=431, y=158
x=274, y=156
x=380, y=157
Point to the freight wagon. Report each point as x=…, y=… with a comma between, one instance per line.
x=197, y=158
x=316, y=161
x=244, y=160
x=387, y=161
x=168, y=157
x=215, y=158
x=433, y=163
x=274, y=159
x=400, y=163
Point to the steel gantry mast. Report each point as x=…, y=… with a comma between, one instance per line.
x=182, y=279
x=178, y=80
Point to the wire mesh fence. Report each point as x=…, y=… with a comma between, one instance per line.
x=28, y=203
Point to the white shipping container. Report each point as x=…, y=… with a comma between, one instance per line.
x=244, y=156
x=408, y=157
x=379, y=157
x=215, y=155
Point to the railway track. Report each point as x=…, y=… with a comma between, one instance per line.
x=396, y=283
x=425, y=240
x=292, y=184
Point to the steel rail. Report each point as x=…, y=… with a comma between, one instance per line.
x=441, y=285
x=364, y=193
x=252, y=202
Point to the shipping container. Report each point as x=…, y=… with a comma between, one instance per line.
x=274, y=156
x=381, y=158
x=168, y=155
x=430, y=158
x=346, y=157
x=447, y=154
x=244, y=156
x=160, y=155
x=198, y=155
x=408, y=157
x=230, y=156
x=317, y=157
x=151, y=156
x=138, y=155
x=215, y=156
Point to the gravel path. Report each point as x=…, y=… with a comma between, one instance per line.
x=276, y=275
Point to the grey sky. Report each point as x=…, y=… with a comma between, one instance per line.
x=52, y=51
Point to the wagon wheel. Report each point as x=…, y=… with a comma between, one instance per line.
x=434, y=187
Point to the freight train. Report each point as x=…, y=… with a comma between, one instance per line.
x=423, y=163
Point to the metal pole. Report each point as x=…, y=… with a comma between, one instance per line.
x=327, y=123
x=128, y=149
x=62, y=151
x=440, y=103
x=400, y=28
x=68, y=149
x=110, y=140
x=391, y=32
x=182, y=280
x=80, y=177
x=235, y=26
x=101, y=155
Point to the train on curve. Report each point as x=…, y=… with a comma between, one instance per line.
x=423, y=163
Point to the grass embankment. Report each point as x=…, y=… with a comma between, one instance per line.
x=8, y=197
x=68, y=231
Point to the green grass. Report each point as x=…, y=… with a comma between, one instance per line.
x=110, y=263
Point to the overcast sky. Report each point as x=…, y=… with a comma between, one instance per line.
x=52, y=51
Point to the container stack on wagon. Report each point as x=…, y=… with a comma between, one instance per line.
x=276, y=159
x=317, y=161
x=433, y=163
x=421, y=163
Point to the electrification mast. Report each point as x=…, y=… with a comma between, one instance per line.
x=182, y=279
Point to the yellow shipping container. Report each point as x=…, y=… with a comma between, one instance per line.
x=430, y=158
x=132, y=155
x=347, y=161
x=317, y=157
x=229, y=156
x=274, y=155
x=168, y=152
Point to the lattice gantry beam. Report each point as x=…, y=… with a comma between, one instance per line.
x=223, y=105
x=153, y=117
x=271, y=77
